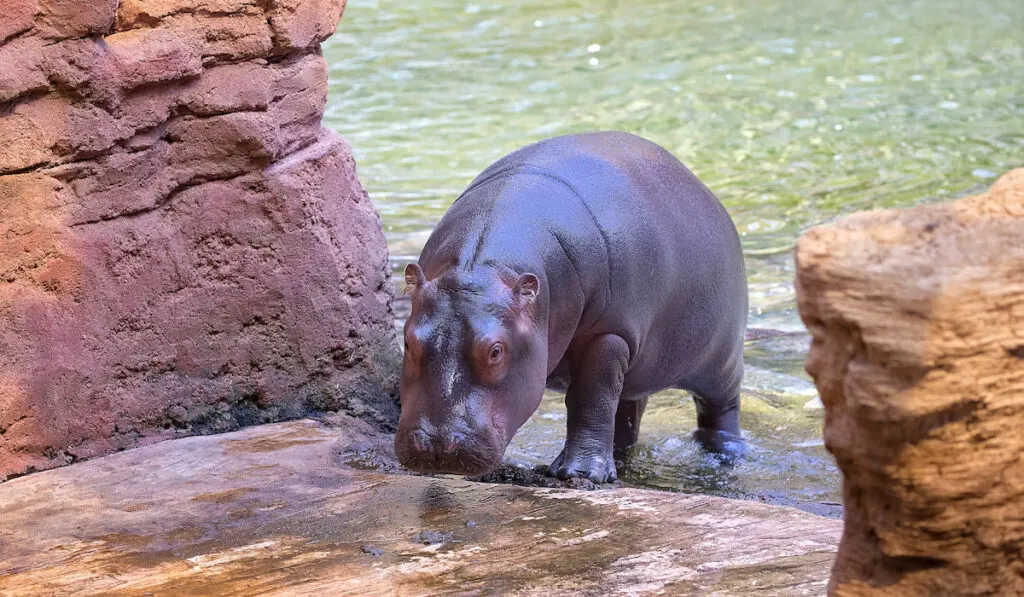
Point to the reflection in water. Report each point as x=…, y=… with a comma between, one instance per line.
x=437, y=504
x=794, y=113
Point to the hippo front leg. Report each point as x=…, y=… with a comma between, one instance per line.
x=592, y=400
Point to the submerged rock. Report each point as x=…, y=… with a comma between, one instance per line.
x=272, y=510
x=918, y=353
x=183, y=248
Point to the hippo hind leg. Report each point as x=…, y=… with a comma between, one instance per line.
x=627, y=422
x=718, y=416
x=560, y=378
x=718, y=428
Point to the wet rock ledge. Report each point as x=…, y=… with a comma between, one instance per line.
x=183, y=247
x=917, y=318
x=274, y=510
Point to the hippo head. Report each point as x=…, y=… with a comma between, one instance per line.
x=474, y=371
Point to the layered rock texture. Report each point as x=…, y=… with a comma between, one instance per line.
x=918, y=325
x=183, y=247
x=273, y=510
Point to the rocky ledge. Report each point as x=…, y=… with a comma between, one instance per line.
x=275, y=510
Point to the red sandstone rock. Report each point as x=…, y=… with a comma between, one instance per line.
x=184, y=248
x=133, y=14
x=153, y=41
x=50, y=129
x=230, y=88
x=148, y=56
x=228, y=38
x=16, y=18
x=918, y=325
x=87, y=66
x=63, y=19
x=301, y=24
x=21, y=67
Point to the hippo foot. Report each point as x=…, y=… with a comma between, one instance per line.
x=729, y=446
x=598, y=468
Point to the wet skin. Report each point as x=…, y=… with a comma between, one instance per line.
x=596, y=264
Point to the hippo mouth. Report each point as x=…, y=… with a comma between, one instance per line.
x=470, y=456
x=450, y=466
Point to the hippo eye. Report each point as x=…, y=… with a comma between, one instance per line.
x=495, y=354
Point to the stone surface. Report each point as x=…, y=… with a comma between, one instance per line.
x=63, y=19
x=299, y=24
x=917, y=319
x=17, y=18
x=184, y=248
x=273, y=510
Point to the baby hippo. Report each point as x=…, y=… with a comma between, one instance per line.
x=595, y=264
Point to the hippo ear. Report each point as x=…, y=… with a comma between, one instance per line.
x=414, y=278
x=526, y=288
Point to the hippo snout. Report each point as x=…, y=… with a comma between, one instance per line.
x=443, y=445
x=448, y=451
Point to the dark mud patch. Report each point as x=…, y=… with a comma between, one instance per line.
x=364, y=448
x=509, y=474
x=369, y=453
x=432, y=537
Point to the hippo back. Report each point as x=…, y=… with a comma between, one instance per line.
x=659, y=257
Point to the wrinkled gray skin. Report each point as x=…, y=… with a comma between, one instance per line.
x=596, y=264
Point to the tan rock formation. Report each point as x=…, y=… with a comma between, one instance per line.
x=918, y=325
x=183, y=247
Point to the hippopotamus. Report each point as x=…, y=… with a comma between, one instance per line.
x=595, y=264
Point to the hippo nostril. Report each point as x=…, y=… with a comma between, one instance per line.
x=452, y=442
x=419, y=440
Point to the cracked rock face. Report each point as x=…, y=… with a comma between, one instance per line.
x=183, y=248
x=918, y=325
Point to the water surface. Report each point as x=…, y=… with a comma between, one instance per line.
x=793, y=113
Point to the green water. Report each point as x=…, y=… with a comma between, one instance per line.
x=794, y=113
